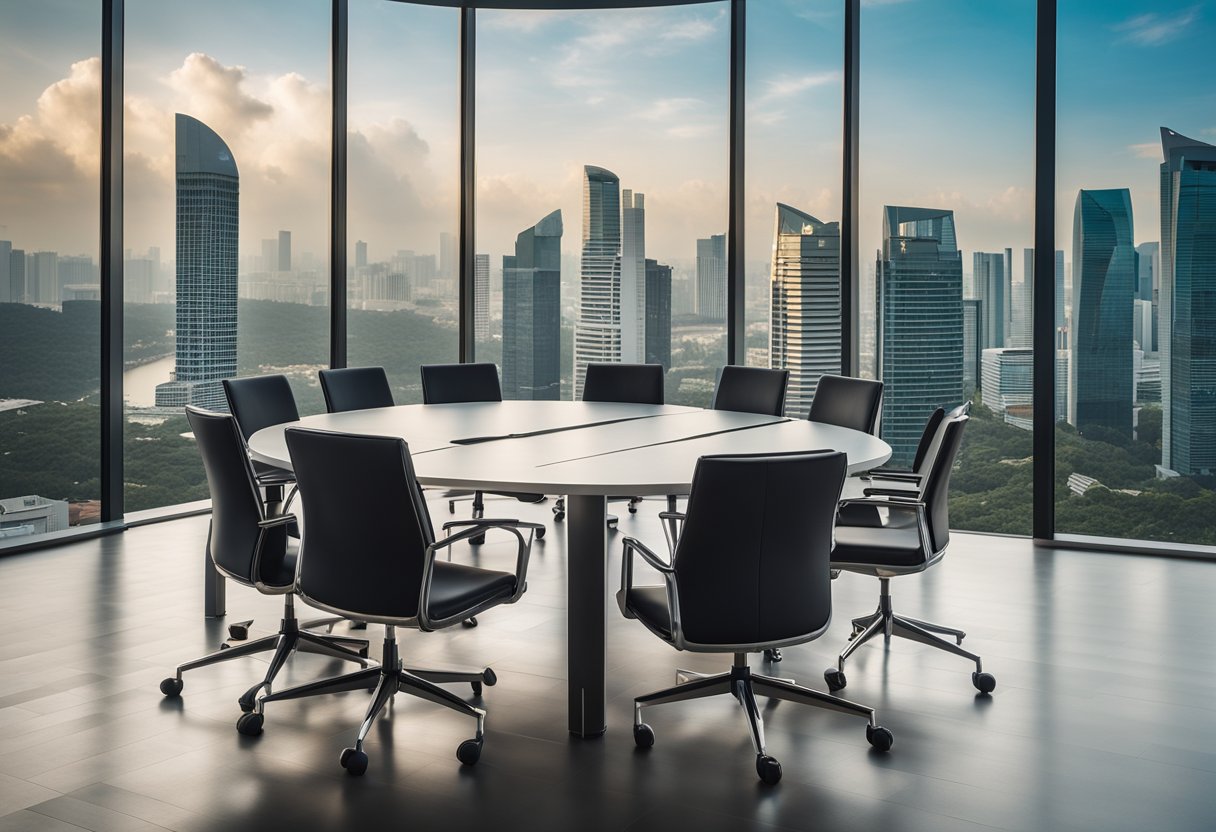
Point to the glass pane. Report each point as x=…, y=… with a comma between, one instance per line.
x=601, y=195
x=794, y=118
x=403, y=190
x=50, y=311
x=1136, y=308
x=946, y=143
x=227, y=219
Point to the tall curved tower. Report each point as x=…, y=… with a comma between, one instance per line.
x=597, y=333
x=208, y=197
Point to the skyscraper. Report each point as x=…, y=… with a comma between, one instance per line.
x=1148, y=275
x=597, y=333
x=973, y=342
x=270, y=255
x=633, y=277
x=919, y=308
x=42, y=277
x=531, y=313
x=989, y=271
x=711, y=279
x=6, y=285
x=1100, y=395
x=1008, y=384
x=658, y=314
x=16, y=277
x=284, y=251
x=360, y=254
x=804, y=310
x=481, y=296
x=1187, y=313
x=208, y=201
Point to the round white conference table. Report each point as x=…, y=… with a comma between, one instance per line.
x=585, y=451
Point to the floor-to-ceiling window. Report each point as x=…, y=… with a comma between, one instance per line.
x=1136, y=297
x=946, y=212
x=602, y=161
x=50, y=321
x=226, y=218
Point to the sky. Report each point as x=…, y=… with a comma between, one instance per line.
x=946, y=120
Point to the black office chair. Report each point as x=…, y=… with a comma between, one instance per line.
x=460, y=383
x=355, y=388
x=847, y=402
x=748, y=571
x=258, y=402
x=252, y=548
x=628, y=383
x=751, y=390
x=369, y=552
x=902, y=547
x=886, y=478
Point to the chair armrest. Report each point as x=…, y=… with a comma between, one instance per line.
x=888, y=501
x=632, y=545
x=894, y=477
x=277, y=520
x=673, y=526
x=892, y=492
x=883, y=471
x=903, y=504
x=523, y=551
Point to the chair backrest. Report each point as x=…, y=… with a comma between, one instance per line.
x=236, y=507
x=259, y=402
x=752, y=560
x=368, y=528
x=848, y=402
x=936, y=489
x=634, y=383
x=355, y=388
x=454, y=383
x=751, y=390
x=928, y=441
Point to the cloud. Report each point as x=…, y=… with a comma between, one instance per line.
x=1146, y=150
x=216, y=95
x=663, y=109
x=1153, y=29
x=787, y=86
x=698, y=28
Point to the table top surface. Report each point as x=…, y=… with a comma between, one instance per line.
x=575, y=447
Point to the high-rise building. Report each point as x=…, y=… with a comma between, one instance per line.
x=16, y=277
x=1020, y=334
x=284, y=251
x=1100, y=336
x=973, y=342
x=6, y=284
x=711, y=279
x=208, y=202
x=1187, y=312
x=531, y=313
x=1148, y=274
x=597, y=332
x=919, y=309
x=138, y=274
x=1008, y=268
x=360, y=254
x=804, y=310
x=1008, y=384
x=42, y=277
x=658, y=314
x=633, y=277
x=481, y=296
x=270, y=255
x=989, y=272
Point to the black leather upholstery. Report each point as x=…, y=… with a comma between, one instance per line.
x=259, y=402
x=633, y=383
x=455, y=383
x=895, y=545
x=649, y=604
x=355, y=388
x=751, y=390
x=368, y=530
x=847, y=402
x=236, y=507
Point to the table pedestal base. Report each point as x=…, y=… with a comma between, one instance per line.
x=586, y=585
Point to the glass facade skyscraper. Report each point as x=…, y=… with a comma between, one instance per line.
x=633, y=277
x=481, y=296
x=531, y=313
x=208, y=199
x=711, y=278
x=658, y=314
x=804, y=322
x=1100, y=337
x=991, y=280
x=597, y=334
x=1187, y=333
x=919, y=293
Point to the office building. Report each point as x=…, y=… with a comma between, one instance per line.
x=208, y=213
x=42, y=277
x=1008, y=384
x=531, y=313
x=284, y=251
x=17, y=292
x=597, y=332
x=1100, y=395
x=804, y=308
x=481, y=296
x=658, y=314
x=973, y=343
x=360, y=254
x=711, y=279
x=1187, y=315
x=919, y=309
x=1148, y=272
x=990, y=287
x=633, y=277
x=270, y=256
x=6, y=285
x=31, y=515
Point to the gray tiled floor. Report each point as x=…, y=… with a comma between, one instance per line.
x=1104, y=717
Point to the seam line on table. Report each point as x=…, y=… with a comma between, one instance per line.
x=665, y=442
x=477, y=440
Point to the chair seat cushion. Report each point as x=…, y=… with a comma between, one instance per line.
x=272, y=474
x=456, y=588
x=280, y=572
x=890, y=545
x=649, y=604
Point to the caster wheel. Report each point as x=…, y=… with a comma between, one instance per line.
x=540, y=534
x=643, y=735
x=768, y=769
x=247, y=702
x=773, y=654
x=239, y=632
x=477, y=541
x=469, y=752
x=835, y=679
x=354, y=761
x=489, y=677
x=559, y=516
x=984, y=682
x=171, y=686
x=249, y=724
x=879, y=737
x=225, y=646
x=451, y=506
x=469, y=622
x=358, y=625
x=633, y=509
x=476, y=688
x=612, y=524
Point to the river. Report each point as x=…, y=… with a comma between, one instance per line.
x=139, y=383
